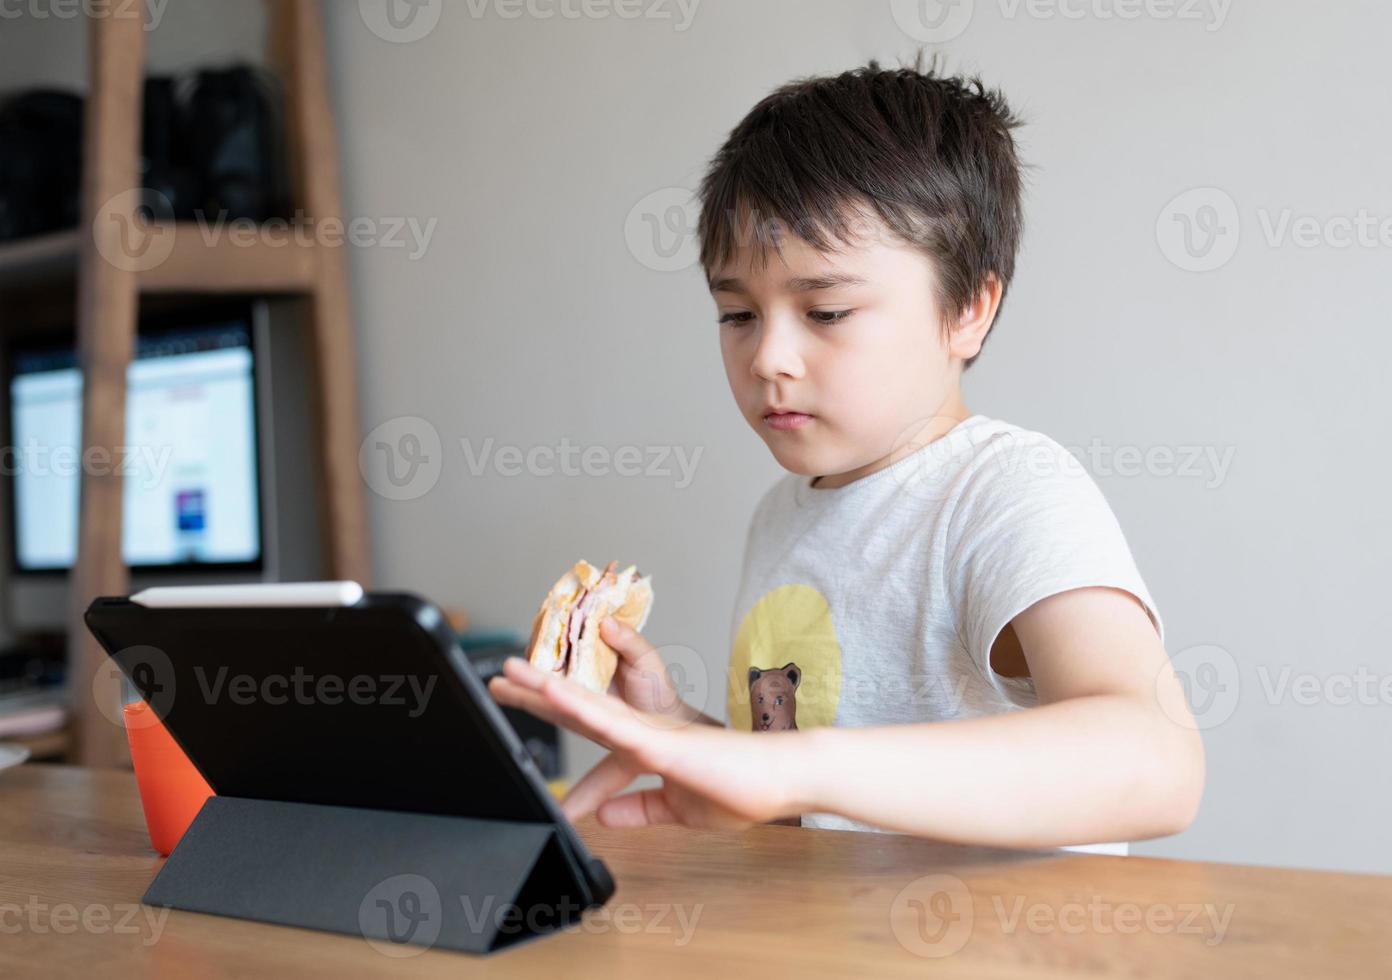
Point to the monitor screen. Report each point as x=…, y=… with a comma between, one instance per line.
x=189, y=462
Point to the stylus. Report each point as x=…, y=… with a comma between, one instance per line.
x=251, y=594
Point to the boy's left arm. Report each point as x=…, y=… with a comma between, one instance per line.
x=1110, y=753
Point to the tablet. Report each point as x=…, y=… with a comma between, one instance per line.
x=322, y=693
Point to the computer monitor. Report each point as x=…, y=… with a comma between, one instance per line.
x=191, y=490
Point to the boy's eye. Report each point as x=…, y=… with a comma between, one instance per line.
x=742, y=316
x=829, y=316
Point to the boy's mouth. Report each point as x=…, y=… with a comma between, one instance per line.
x=786, y=420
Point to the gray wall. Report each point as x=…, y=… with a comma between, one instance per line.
x=529, y=319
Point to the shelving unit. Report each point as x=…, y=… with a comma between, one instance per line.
x=108, y=297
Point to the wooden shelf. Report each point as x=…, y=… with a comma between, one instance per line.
x=115, y=263
x=205, y=259
x=50, y=256
x=270, y=258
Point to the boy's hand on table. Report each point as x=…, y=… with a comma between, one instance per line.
x=712, y=777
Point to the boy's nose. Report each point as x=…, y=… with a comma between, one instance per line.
x=777, y=355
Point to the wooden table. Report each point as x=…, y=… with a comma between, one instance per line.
x=74, y=860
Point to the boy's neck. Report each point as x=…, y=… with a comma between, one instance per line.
x=949, y=414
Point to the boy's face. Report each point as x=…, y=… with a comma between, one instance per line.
x=849, y=342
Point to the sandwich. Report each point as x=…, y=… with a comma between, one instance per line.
x=565, y=634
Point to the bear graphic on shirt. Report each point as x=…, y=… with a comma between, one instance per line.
x=773, y=698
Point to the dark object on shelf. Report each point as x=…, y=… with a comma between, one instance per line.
x=235, y=144
x=166, y=169
x=40, y=162
x=212, y=149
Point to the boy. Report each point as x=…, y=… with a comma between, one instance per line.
x=940, y=629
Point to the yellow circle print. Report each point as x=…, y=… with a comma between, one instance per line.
x=789, y=638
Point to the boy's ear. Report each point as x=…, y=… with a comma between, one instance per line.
x=969, y=332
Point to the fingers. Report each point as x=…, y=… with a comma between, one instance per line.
x=628, y=643
x=599, y=717
x=640, y=809
x=610, y=775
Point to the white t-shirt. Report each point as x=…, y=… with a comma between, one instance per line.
x=878, y=602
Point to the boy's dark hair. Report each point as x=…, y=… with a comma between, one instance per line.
x=933, y=156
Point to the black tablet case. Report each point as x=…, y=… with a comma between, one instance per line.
x=443, y=872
